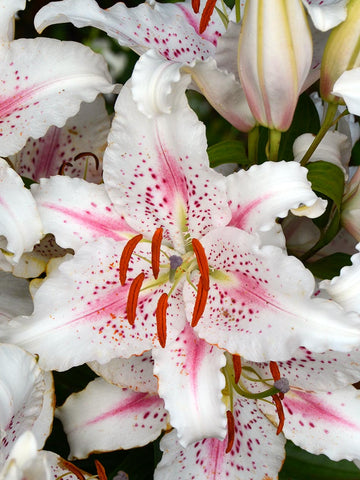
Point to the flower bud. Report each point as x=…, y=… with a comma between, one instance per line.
x=350, y=211
x=274, y=58
x=342, y=51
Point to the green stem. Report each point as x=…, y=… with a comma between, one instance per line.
x=253, y=145
x=328, y=121
x=237, y=11
x=267, y=393
x=274, y=144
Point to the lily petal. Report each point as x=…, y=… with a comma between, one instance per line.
x=283, y=186
x=44, y=82
x=194, y=401
x=160, y=160
x=26, y=397
x=322, y=422
x=7, y=14
x=347, y=87
x=326, y=15
x=20, y=226
x=257, y=452
x=121, y=419
x=257, y=292
x=172, y=29
x=55, y=152
x=86, y=320
x=77, y=212
x=135, y=372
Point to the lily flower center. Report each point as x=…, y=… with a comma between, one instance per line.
x=178, y=266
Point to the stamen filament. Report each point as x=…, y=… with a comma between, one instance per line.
x=237, y=367
x=155, y=251
x=202, y=262
x=200, y=303
x=73, y=469
x=231, y=430
x=161, y=318
x=100, y=470
x=133, y=296
x=280, y=412
x=126, y=255
x=206, y=15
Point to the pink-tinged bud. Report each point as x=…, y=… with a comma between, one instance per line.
x=342, y=52
x=274, y=58
x=350, y=210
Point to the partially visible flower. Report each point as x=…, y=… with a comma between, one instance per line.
x=76, y=149
x=274, y=59
x=331, y=149
x=20, y=227
x=342, y=53
x=347, y=87
x=326, y=14
x=39, y=90
x=168, y=39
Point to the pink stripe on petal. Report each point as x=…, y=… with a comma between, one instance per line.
x=101, y=226
x=309, y=408
x=129, y=406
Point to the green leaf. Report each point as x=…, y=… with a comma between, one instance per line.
x=327, y=179
x=355, y=154
x=27, y=181
x=301, y=465
x=330, y=266
x=228, y=151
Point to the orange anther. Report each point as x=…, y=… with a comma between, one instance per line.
x=202, y=262
x=155, y=251
x=73, y=469
x=237, y=367
x=275, y=372
x=133, y=296
x=100, y=470
x=126, y=255
x=195, y=5
x=280, y=412
x=206, y=15
x=231, y=431
x=161, y=318
x=200, y=303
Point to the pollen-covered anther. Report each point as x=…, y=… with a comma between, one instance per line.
x=237, y=367
x=161, y=318
x=231, y=431
x=155, y=251
x=200, y=303
x=280, y=412
x=133, y=296
x=206, y=15
x=126, y=255
x=100, y=470
x=195, y=5
x=202, y=262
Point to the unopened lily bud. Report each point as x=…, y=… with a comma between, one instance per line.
x=350, y=211
x=342, y=52
x=274, y=58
